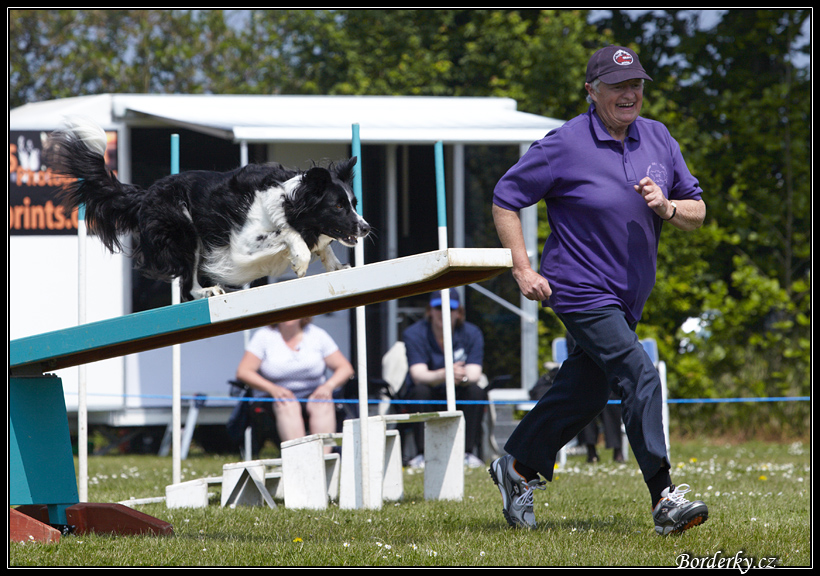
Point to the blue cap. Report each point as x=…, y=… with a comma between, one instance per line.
x=435, y=299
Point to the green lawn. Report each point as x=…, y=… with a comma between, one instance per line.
x=590, y=515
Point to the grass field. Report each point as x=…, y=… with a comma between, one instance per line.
x=758, y=495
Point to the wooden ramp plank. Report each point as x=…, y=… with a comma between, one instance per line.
x=246, y=309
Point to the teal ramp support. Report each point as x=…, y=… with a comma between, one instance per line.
x=41, y=464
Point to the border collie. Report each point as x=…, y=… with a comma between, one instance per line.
x=211, y=230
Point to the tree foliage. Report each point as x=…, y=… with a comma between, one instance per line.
x=743, y=119
x=732, y=90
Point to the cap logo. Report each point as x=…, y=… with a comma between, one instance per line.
x=622, y=58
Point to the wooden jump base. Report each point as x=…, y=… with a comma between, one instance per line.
x=41, y=466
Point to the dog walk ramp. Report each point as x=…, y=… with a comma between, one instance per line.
x=254, y=307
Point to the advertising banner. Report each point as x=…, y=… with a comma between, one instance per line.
x=34, y=203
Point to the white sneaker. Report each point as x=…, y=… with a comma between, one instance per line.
x=417, y=462
x=473, y=461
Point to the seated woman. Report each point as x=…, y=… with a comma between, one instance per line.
x=288, y=362
x=424, y=342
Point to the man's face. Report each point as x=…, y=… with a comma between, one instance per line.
x=618, y=105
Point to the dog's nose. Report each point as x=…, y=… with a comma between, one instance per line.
x=364, y=229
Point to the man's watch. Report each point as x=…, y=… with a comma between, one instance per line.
x=674, y=211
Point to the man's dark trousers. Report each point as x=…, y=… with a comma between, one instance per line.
x=607, y=355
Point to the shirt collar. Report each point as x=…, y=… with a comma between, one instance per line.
x=600, y=131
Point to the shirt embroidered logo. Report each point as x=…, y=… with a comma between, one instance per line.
x=657, y=172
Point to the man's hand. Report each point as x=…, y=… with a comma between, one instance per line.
x=532, y=285
x=689, y=215
x=654, y=198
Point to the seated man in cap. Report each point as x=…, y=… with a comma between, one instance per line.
x=426, y=377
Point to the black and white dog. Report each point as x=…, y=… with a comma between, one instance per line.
x=211, y=230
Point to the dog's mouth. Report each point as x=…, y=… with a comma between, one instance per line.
x=349, y=240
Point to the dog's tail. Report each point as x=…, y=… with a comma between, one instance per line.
x=111, y=207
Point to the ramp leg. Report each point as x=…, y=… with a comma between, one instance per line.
x=41, y=465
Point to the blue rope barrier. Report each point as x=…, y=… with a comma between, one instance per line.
x=465, y=402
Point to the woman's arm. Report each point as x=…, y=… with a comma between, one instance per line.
x=342, y=372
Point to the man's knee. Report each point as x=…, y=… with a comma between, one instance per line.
x=420, y=392
x=474, y=392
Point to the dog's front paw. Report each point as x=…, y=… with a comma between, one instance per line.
x=300, y=267
x=330, y=262
x=300, y=257
x=335, y=265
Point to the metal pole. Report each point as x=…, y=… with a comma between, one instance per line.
x=361, y=338
x=176, y=357
x=445, y=294
x=82, y=402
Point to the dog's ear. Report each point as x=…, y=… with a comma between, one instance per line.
x=316, y=178
x=344, y=171
x=311, y=191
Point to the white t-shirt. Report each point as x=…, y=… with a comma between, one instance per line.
x=301, y=371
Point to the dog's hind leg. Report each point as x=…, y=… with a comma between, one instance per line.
x=168, y=245
x=200, y=292
x=197, y=291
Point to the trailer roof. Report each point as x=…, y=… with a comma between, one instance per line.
x=303, y=119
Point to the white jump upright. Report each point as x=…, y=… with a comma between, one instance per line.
x=310, y=478
x=443, y=458
x=357, y=491
x=443, y=452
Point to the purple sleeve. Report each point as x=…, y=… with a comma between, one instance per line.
x=684, y=186
x=526, y=183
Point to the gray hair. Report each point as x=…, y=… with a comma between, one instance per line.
x=595, y=86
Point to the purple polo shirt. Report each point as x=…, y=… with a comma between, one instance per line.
x=603, y=245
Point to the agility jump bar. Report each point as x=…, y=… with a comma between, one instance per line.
x=246, y=309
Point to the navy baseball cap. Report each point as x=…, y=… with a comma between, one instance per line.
x=615, y=64
x=435, y=299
